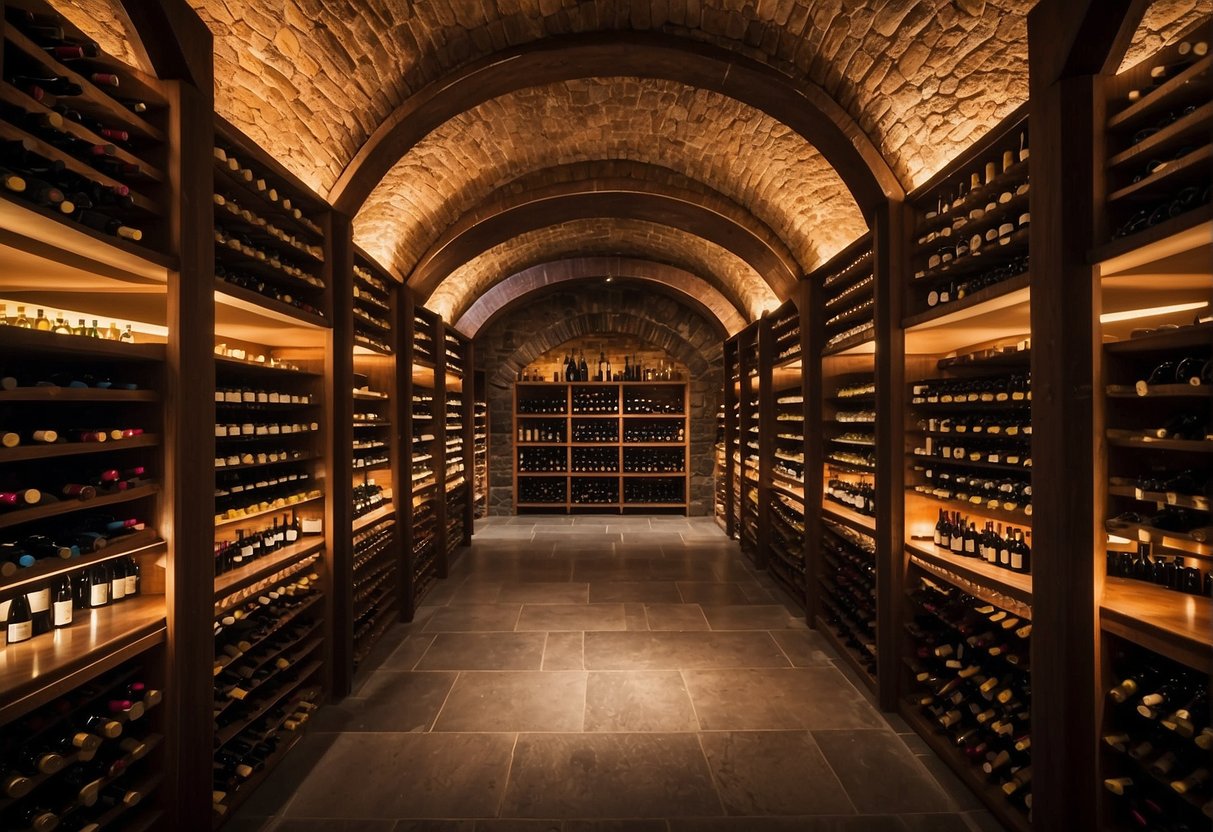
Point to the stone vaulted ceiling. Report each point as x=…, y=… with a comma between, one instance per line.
x=910, y=83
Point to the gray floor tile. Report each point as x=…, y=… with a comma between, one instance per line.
x=766, y=773
x=609, y=776
x=472, y=618
x=836, y=823
x=407, y=776
x=804, y=648
x=810, y=698
x=963, y=799
x=711, y=592
x=675, y=651
x=683, y=617
x=983, y=821
x=484, y=651
x=409, y=652
x=644, y=592
x=615, y=826
x=564, y=651
x=634, y=617
x=935, y=823
x=655, y=701
x=333, y=825
x=389, y=701
x=515, y=701
x=544, y=592
x=747, y=617
x=476, y=592
x=557, y=617
x=880, y=774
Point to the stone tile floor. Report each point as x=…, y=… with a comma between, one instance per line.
x=608, y=674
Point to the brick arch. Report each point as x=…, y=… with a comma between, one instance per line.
x=720, y=268
x=658, y=334
x=661, y=131
x=662, y=277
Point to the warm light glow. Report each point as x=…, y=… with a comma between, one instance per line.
x=1134, y=314
x=73, y=316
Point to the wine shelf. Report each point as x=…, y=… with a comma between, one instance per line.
x=567, y=454
x=42, y=669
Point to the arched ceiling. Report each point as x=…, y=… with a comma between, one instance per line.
x=720, y=268
x=793, y=112
x=706, y=137
x=687, y=287
x=279, y=63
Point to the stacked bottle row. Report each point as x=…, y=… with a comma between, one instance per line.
x=456, y=489
x=720, y=482
x=269, y=648
x=1157, y=753
x=244, y=547
x=785, y=330
x=1158, y=144
x=972, y=230
x=574, y=367
x=77, y=490
x=86, y=760
x=1160, y=433
x=848, y=596
x=751, y=443
x=973, y=449
x=267, y=244
x=423, y=340
x=372, y=442
x=81, y=137
x=480, y=455
x=267, y=427
x=423, y=554
x=372, y=311
x=850, y=426
x=850, y=306
x=970, y=681
x=785, y=542
x=787, y=468
x=375, y=580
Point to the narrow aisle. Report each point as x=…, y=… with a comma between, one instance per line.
x=607, y=673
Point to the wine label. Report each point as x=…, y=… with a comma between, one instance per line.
x=118, y=588
x=132, y=585
x=20, y=631
x=39, y=601
x=99, y=595
x=62, y=615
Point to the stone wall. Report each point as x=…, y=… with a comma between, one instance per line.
x=523, y=333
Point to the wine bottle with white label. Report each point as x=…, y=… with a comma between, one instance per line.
x=61, y=603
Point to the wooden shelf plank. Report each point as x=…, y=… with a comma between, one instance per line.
x=69, y=506
x=964, y=463
x=23, y=453
x=140, y=542
x=1160, y=95
x=1161, y=391
x=76, y=346
x=237, y=579
x=1195, y=501
x=247, y=300
x=1145, y=149
x=44, y=668
x=1148, y=187
x=1009, y=292
x=1172, y=623
x=1135, y=439
x=848, y=517
x=1013, y=584
x=371, y=518
x=244, y=518
x=1190, y=230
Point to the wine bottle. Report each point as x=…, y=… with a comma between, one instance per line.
x=40, y=609
x=19, y=626
x=61, y=602
x=98, y=585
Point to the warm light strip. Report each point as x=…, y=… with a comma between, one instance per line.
x=1134, y=314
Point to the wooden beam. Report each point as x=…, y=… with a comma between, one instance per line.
x=339, y=438
x=189, y=459
x=890, y=268
x=1067, y=138
x=801, y=105
x=172, y=40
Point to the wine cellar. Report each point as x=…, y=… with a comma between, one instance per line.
x=961, y=451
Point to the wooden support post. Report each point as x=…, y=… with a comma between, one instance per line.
x=339, y=438
x=189, y=458
x=890, y=261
